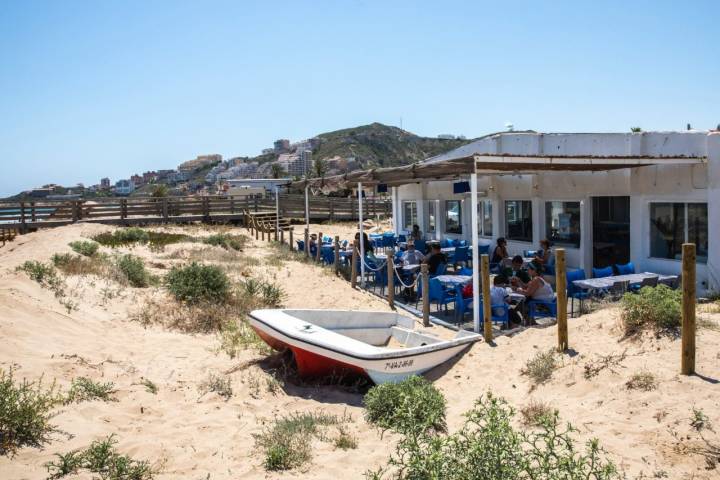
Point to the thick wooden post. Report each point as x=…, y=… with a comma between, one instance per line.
x=487, y=303
x=307, y=243
x=282, y=236
x=425, y=294
x=337, y=254
x=33, y=218
x=391, y=281
x=561, y=289
x=257, y=228
x=165, y=209
x=123, y=208
x=687, y=363
x=255, y=203
x=332, y=211
x=318, y=248
x=232, y=205
x=353, y=268
x=22, y=217
x=262, y=231
x=291, y=242
x=75, y=216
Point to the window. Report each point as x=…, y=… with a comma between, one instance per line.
x=432, y=216
x=485, y=218
x=518, y=220
x=562, y=223
x=672, y=224
x=409, y=215
x=453, y=217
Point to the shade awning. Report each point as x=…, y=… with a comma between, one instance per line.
x=490, y=164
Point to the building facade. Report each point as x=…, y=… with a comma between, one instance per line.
x=640, y=214
x=124, y=187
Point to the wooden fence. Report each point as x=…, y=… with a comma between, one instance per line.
x=132, y=210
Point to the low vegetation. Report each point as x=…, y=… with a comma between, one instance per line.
x=488, y=447
x=236, y=336
x=150, y=386
x=286, y=441
x=71, y=264
x=129, y=236
x=85, y=248
x=101, y=458
x=196, y=283
x=133, y=269
x=653, y=308
x=643, y=380
x=541, y=367
x=84, y=389
x=535, y=414
x=699, y=421
x=46, y=275
x=406, y=406
x=215, y=383
x=226, y=241
x=25, y=413
x=602, y=362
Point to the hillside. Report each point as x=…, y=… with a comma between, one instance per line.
x=378, y=145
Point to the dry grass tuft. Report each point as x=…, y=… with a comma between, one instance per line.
x=643, y=380
x=541, y=367
x=536, y=413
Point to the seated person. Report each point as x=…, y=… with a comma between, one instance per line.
x=517, y=274
x=537, y=288
x=544, y=255
x=412, y=256
x=500, y=253
x=416, y=234
x=367, y=243
x=435, y=258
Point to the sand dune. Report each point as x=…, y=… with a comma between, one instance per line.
x=198, y=436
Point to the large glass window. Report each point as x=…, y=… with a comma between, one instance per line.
x=485, y=218
x=409, y=214
x=432, y=216
x=672, y=224
x=453, y=217
x=562, y=223
x=518, y=220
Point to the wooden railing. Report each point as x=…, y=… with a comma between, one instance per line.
x=134, y=210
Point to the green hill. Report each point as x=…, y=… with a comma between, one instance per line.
x=378, y=145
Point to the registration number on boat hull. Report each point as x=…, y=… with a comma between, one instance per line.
x=397, y=364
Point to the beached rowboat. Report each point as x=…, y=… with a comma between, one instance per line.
x=382, y=345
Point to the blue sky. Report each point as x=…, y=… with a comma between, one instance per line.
x=108, y=88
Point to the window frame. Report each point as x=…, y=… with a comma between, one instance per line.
x=459, y=220
x=414, y=213
x=517, y=214
x=686, y=227
x=580, y=213
x=482, y=204
x=432, y=205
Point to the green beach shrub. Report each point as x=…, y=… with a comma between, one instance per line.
x=413, y=405
x=488, y=447
x=85, y=248
x=226, y=241
x=25, y=413
x=541, y=367
x=100, y=457
x=657, y=308
x=133, y=268
x=84, y=389
x=195, y=283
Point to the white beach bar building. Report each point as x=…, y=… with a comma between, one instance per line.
x=607, y=198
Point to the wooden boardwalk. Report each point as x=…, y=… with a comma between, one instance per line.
x=23, y=216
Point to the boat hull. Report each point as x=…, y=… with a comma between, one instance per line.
x=317, y=359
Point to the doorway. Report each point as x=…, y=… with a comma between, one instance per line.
x=611, y=231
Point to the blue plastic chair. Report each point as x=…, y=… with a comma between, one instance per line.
x=457, y=242
x=460, y=256
x=627, y=269
x=465, y=271
x=440, y=270
x=484, y=249
x=402, y=238
x=421, y=246
x=388, y=240
x=445, y=243
x=327, y=254
x=573, y=291
x=498, y=313
x=300, y=245
x=603, y=272
x=438, y=294
x=529, y=253
x=549, y=309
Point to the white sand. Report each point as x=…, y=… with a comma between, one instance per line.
x=202, y=436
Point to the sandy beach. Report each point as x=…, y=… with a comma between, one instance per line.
x=195, y=435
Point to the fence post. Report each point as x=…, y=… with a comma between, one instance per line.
x=687, y=363
x=307, y=243
x=332, y=211
x=75, y=215
x=32, y=212
x=561, y=289
x=487, y=303
x=425, y=294
x=257, y=228
x=123, y=208
x=262, y=231
x=232, y=205
x=352, y=208
x=255, y=202
x=353, y=268
x=318, y=248
x=165, y=212
x=282, y=236
x=22, y=217
x=337, y=254
x=391, y=281
x=292, y=245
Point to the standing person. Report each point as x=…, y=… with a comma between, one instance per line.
x=544, y=255
x=500, y=253
x=435, y=259
x=416, y=234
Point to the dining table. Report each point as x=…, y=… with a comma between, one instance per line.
x=632, y=279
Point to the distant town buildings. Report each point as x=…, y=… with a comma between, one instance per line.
x=200, y=162
x=124, y=187
x=281, y=146
x=105, y=183
x=448, y=136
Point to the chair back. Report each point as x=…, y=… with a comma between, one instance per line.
x=602, y=272
x=388, y=240
x=529, y=253
x=441, y=269
x=460, y=255
x=420, y=246
x=627, y=269
x=465, y=271
x=649, y=282
x=300, y=245
x=571, y=276
x=620, y=287
x=402, y=238
x=484, y=249
x=457, y=242
x=435, y=290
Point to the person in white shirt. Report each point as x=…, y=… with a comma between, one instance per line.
x=412, y=256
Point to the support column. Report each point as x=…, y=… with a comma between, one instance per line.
x=362, y=237
x=307, y=208
x=475, y=252
x=277, y=212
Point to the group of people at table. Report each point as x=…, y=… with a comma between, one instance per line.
x=514, y=274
